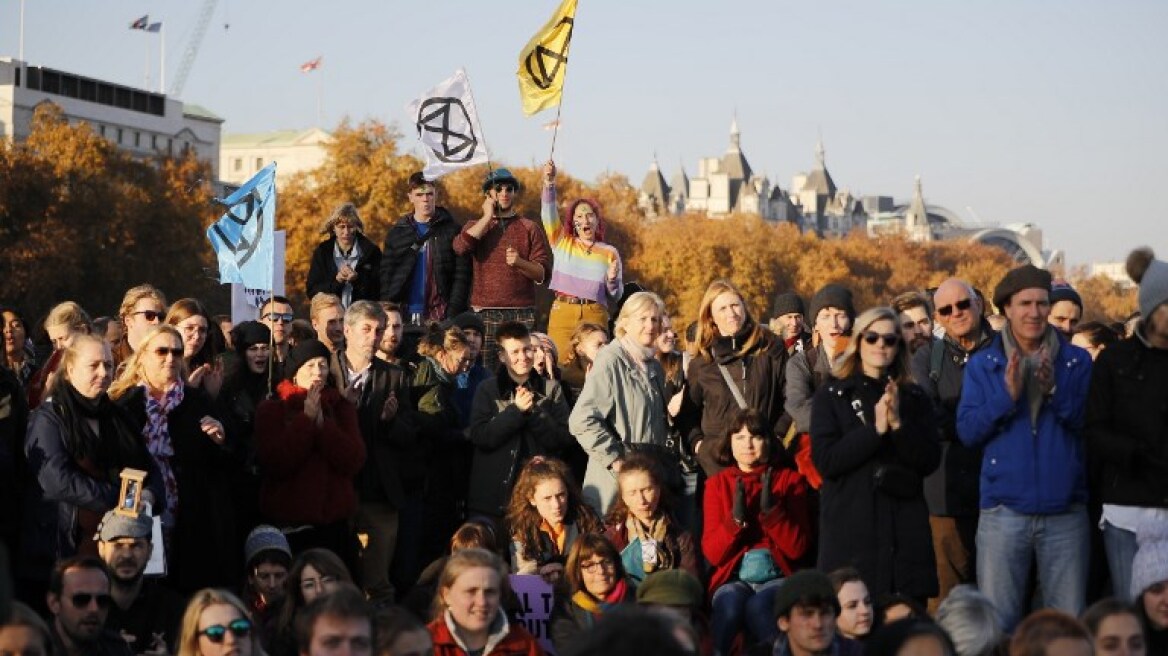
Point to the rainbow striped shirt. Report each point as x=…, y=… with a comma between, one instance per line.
x=579, y=270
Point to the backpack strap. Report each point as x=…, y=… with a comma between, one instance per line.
x=733, y=387
x=936, y=358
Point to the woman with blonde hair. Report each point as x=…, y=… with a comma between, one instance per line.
x=200, y=354
x=468, y=615
x=546, y=515
x=739, y=365
x=346, y=264
x=65, y=321
x=216, y=623
x=622, y=406
x=874, y=439
x=77, y=443
x=189, y=446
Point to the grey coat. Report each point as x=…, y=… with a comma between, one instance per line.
x=619, y=405
x=802, y=383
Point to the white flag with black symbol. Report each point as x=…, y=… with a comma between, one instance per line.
x=448, y=127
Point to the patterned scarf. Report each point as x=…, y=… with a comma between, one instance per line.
x=656, y=531
x=157, y=434
x=1030, y=367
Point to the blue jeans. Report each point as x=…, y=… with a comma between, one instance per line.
x=1060, y=544
x=737, y=603
x=1121, y=551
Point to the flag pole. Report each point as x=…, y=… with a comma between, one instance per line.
x=482, y=132
x=21, y=48
x=563, y=85
x=319, y=99
x=162, y=57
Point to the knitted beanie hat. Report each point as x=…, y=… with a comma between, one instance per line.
x=1152, y=277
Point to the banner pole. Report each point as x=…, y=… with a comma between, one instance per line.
x=563, y=85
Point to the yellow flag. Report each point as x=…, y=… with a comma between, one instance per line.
x=544, y=61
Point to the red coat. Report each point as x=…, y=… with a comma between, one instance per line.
x=517, y=642
x=308, y=470
x=785, y=529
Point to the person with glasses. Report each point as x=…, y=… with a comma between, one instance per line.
x=276, y=314
x=79, y=601
x=143, y=307
x=188, y=444
x=510, y=256
x=77, y=442
x=346, y=264
x=315, y=573
x=1024, y=402
x=598, y=585
x=200, y=351
x=310, y=451
x=216, y=623
x=420, y=270
x=587, y=274
x=874, y=439
x=951, y=492
x=146, y=613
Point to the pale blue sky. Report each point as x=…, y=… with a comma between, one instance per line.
x=1050, y=112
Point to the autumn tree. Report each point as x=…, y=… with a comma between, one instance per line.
x=84, y=221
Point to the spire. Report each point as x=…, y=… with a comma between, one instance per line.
x=734, y=134
x=917, y=215
x=820, y=154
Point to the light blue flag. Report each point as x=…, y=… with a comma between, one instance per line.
x=242, y=238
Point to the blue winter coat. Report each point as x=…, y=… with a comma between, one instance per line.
x=1031, y=469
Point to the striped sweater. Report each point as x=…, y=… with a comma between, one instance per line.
x=579, y=270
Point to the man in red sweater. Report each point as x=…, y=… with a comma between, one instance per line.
x=510, y=254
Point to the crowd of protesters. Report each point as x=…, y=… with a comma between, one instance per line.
x=959, y=471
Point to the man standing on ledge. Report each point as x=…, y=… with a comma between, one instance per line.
x=510, y=256
x=1024, y=401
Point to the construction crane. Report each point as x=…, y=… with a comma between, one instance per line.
x=192, y=49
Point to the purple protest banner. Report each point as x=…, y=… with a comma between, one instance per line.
x=535, y=607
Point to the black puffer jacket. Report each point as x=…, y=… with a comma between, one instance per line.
x=1127, y=425
x=884, y=535
x=710, y=406
x=452, y=273
x=322, y=274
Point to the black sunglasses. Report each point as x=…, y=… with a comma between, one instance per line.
x=83, y=599
x=282, y=318
x=889, y=339
x=240, y=628
x=150, y=315
x=505, y=187
x=962, y=305
x=162, y=352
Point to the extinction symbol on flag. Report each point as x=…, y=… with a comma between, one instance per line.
x=242, y=237
x=448, y=127
x=537, y=60
x=434, y=116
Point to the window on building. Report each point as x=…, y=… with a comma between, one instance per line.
x=237, y=164
x=154, y=141
x=119, y=136
x=259, y=163
x=101, y=130
x=137, y=139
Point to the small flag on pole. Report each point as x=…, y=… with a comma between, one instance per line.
x=448, y=126
x=154, y=27
x=310, y=66
x=242, y=238
x=543, y=62
x=552, y=125
x=141, y=24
